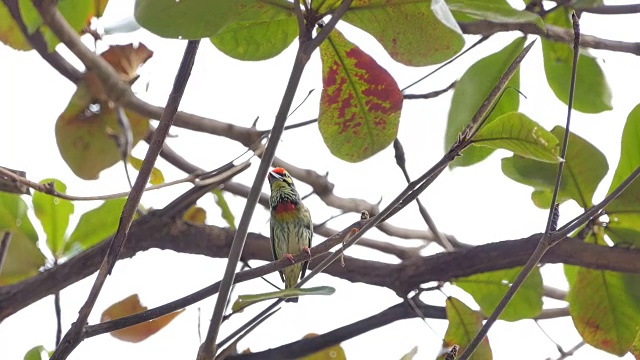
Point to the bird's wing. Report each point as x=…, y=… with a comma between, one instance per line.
x=309, y=228
x=273, y=249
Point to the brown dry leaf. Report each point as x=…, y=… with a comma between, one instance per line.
x=131, y=305
x=125, y=60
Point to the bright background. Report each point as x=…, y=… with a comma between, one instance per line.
x=476, y=204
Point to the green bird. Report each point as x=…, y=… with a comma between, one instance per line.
x=291, y=226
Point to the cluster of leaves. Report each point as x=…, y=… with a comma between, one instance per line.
x=359, y=115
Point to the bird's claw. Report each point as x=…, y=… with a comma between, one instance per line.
x=307, y=250
x=288, y=256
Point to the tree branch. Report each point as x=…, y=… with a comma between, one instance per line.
x=38, y=43
x=549, y=32
x=155, y=232
x=308, y=346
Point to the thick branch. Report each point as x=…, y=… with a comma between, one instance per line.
x=550, y=32
x=304, y=347
x=167, y=234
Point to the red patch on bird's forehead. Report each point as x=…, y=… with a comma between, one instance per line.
x=279, y=171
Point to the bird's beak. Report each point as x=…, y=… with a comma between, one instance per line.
x=274, y=176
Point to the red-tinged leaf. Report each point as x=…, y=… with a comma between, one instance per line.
x=10, y=33
x=125, y=59
x=85, y=135
x=464, y=324
x=360, y=104
x=136, y=333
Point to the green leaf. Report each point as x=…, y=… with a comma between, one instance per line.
x=464, y=324
x=627, y=202
x=410, y=354
x=592, y=92
x=36, y=353
x=333, y=352
x=227, y=215
x=494, y=10
x=196, y=19
x=95, y=225
x=23, y=258
x=471, y=91
x=78, y=13
x=10, y=33
x=635, y=348
x=85, y=137
x=488, y=289
x=246, y=300
x=156, y=177
x=360, y=104
x=584, y=169
x=53, y=214
x=516, y=132
x=624, y=229
x=605, y=308
x=258, y=33
x=414, y=33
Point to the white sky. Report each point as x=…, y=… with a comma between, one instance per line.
x=496, y=208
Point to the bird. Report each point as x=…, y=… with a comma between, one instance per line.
x=291, y=226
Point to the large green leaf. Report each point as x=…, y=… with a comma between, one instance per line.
x=53, y=214
x=35, y=353
x=592, y=92
x=624, y=229
x=628, y=202
x=516, y=132
x=488, y=289
x=464, y=324
x=472, y=89
x=78, y=13
x=95, y=225
x=414, y=33
x=196, y=19
x=10, y=33
x=605, y=308
x=492, y=10
x=258, y=33
x=585, y=167
x=360, y=104
x=23, y=258
x=85, y=137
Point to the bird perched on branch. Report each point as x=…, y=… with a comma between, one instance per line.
x=291, y=226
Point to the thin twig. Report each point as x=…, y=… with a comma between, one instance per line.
x=480, y=41
x=545, y=243
x=300, y=348
x=402, y=164
x=430, y=95
x=62, y=29
x=4, y=247
x=612, y=9
x=50, y=190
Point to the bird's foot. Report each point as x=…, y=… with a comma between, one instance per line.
x=307, y=250
x=288, y=256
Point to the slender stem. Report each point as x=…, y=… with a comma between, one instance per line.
x=4, y=247
x=208, y=347
x=545, y=243
x=59, y=25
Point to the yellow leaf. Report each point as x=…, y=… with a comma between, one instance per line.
x=195, y=215
x=334, y=352
x=136, y=333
